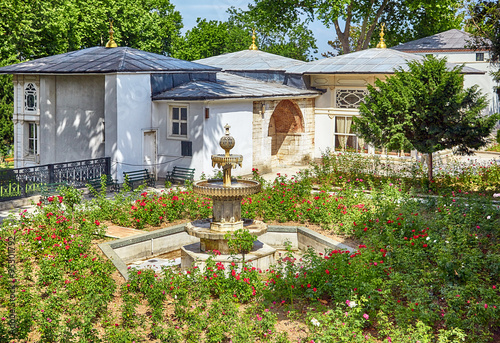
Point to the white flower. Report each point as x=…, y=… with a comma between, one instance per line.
x=352, y=304
x=427, y=238
x=315, y=322
x=447, y=242
x=488, y=217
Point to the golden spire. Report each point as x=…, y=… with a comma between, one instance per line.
x=253, y=46
x=381, y=44
x=111, y=43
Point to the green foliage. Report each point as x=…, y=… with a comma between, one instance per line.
x=71, y=196
x=425, y=108
x=484, y=24
x=426, y=270
x=211, y=38
x=406, y=20
x=240, y=241
x=290, y=37
x=6, y=109
x=409, y=20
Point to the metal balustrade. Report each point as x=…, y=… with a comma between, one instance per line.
x=27, y=181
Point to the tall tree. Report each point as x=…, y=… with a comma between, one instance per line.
x=291, y=38
x=425, y=108
x=211, y=38
x=34, y=29
x=401, y=18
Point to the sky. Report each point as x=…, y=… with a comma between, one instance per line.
x=216, y=10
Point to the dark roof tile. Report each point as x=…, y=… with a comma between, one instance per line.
x=105, y=60
x=229, y=86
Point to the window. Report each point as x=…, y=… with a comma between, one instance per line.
x=30, y=98
x=349, y=98
x=32, y=139
x=178, y=119
x=480, y=56
x=345, y=139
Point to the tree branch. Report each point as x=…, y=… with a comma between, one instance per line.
x=374, y=24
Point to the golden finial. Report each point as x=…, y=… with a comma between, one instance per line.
x=111, y=43
x=381, y=44
x=253, y=46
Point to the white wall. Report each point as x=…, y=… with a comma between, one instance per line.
x=133, y=115
x=204, y=135
x=71, y=109
x=239, y=115
x=323, y=136
x=110, y=122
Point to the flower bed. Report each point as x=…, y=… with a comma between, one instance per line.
x=427, y=270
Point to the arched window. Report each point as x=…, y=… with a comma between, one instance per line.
x=30, y=98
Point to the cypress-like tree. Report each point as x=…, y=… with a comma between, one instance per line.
x=426, y=108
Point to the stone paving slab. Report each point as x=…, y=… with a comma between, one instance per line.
x=115, y=231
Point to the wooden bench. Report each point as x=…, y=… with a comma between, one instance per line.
x=180, y=174
x=111, y=183
x=142, y=176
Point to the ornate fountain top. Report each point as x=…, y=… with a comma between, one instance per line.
x=227, y=161
x=227, y=142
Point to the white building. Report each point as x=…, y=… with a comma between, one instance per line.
x=145, y=110
x=141, y=109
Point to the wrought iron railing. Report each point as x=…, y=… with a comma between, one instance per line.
x=22, y=182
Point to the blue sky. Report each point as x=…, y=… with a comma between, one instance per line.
x=216, y=10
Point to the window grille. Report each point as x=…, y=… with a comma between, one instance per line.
x=30, y=98
x=349, y=98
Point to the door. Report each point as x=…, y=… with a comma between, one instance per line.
x=149, y=151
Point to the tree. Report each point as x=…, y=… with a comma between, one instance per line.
x=292, y=39
x=405, y=19
x=211, y=38
x=34, y=29
x=425, y=108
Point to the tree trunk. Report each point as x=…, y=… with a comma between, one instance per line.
x=344, y=36
x=429, y=166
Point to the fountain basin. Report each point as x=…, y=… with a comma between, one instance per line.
x=125, y=251
x=214, y=188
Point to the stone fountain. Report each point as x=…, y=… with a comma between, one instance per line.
x=226, y=194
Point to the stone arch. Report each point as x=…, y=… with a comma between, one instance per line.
x=285, y=126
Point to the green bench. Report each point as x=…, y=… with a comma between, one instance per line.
x=143, y=176
x=180, y=174
x=49, y=189
x=111, y=183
